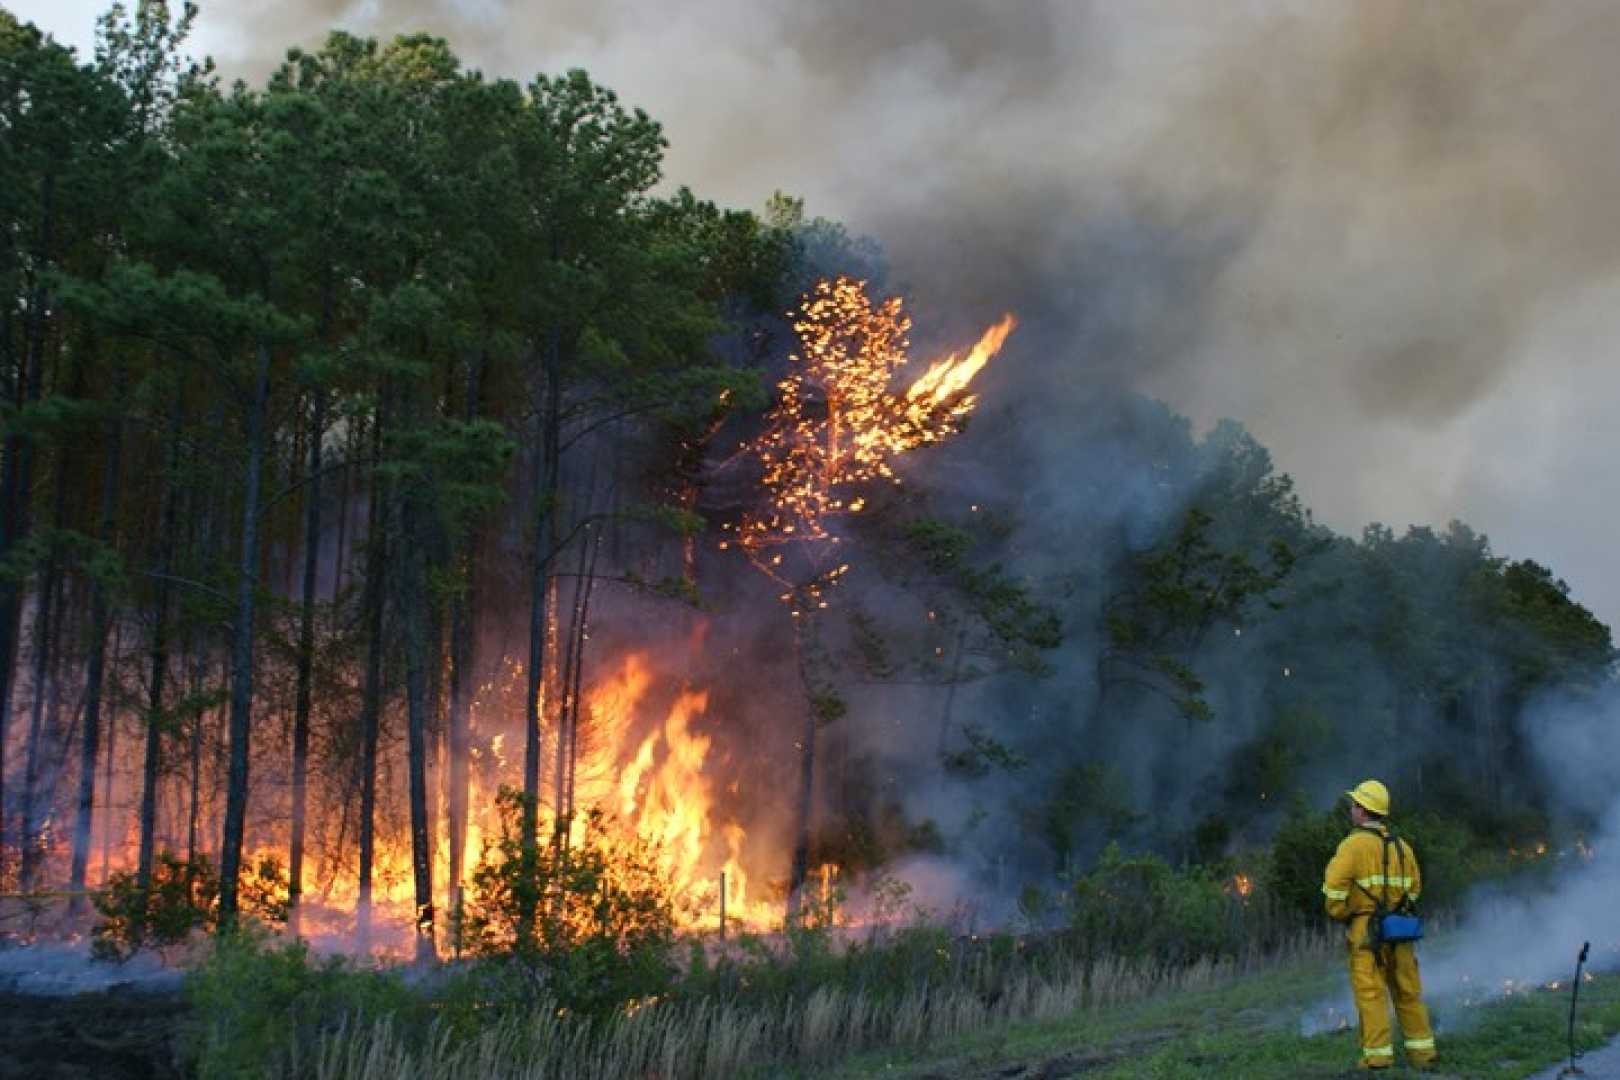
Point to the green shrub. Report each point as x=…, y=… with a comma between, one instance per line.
x=590, y=925
x=1300, y=852
x=181, y=897
x=257, y=1001
x=1138, y=907
x=1452, y=858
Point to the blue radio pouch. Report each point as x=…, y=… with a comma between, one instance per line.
x=1394, y=929
x=1388, y=926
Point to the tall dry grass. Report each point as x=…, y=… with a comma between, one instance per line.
x=679, y=1039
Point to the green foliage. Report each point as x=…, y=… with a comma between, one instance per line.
x=982, y=754
x=890, y=897
x=1551, y=638
x=181, y=898
x=1300, y=852
x=1179, y=591
x=1271, y=764
x=1019, y=628
x=872, y=650
x=256, y=998
x=828, y=707
x=264, y=890
x=602, y=929
x=1088, y=799
x=458, y=467
x=1138, y=907
x=1452, y=858
x=940, y=546
x=680, y=589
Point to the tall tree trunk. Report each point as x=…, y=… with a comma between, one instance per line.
x=340, y=548
x=18, y=478
x=45, y=637
x=236, y=792
x=463, y=645
x=207, y=554
x=107, y=773
x=13, y=529
x=198, y=719
x=55, y=737
x=306, y=663
x=560, y=800
x=950, y=693
x=436, y=720
x=155, y=721
x=546, y=475
x=575, y=694
x=414, y=607
x=91, y=736
x=463, y=678
x=371, y=703
x=799, y=871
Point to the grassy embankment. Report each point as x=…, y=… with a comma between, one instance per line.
x=1208, y=1022
x=1249, y=1029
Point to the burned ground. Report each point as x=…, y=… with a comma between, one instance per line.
x=114, y=1035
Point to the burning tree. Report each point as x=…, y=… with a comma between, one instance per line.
x=836, y=428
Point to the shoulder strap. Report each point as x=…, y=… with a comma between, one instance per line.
x=1386, y=839
x=1400, y=844
x=1387, y=842
x=1380, y=904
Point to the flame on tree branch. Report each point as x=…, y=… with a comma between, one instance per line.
x=837, y=426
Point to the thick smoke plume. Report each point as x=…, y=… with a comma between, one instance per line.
x=1380, y=234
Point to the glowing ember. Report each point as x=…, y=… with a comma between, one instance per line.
x=837, y=424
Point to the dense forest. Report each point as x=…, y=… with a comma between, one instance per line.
x=387, y=435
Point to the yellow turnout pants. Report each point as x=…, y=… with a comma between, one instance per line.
x=1375, y=977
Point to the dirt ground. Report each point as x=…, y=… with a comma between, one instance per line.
x=115, y=1035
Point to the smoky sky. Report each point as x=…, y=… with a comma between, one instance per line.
x=1382, y=235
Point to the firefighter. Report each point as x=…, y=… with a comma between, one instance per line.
x=1357, y=885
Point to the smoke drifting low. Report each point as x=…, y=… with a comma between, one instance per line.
x=1515, y=940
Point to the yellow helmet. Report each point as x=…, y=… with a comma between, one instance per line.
x=1371, y=796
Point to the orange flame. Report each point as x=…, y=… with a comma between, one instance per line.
x=658, y=782
x=949, y=377
x=838, y=425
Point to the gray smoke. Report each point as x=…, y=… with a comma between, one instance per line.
x=1379, y=234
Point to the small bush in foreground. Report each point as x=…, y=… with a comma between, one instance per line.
x=589, y=924
x=258, y=1000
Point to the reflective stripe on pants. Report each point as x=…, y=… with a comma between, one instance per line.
x=1373, y=985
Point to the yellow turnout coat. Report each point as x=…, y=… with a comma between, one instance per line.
x=1370, y=869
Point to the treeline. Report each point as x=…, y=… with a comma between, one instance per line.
x=313, y=391
x=1226, y=655
x=280, y=366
